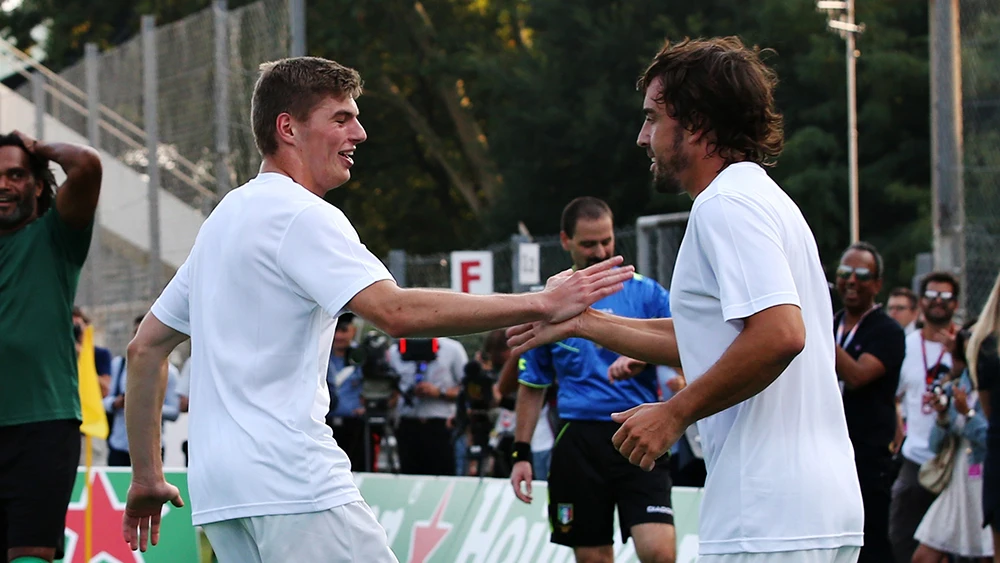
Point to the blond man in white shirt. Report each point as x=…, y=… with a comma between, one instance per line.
x=271, y=269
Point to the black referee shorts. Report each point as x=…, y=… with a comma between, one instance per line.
x=38, y=462
x=588, y=478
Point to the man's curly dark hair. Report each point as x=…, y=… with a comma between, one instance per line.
x=723, y=89
x=39, y=168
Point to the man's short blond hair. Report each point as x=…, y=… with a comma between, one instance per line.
x=296, y=86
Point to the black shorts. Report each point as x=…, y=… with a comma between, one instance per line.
x=38, y=462
x=588, y=478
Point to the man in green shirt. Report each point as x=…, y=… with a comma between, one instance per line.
x=44, y=237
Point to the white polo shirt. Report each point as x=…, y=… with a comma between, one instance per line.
x=270, y=270
x=781, y=473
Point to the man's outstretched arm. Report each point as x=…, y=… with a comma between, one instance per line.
x=429, y=312
x=649, y=340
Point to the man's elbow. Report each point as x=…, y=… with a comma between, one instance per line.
x=790, y=343
x=138, y=351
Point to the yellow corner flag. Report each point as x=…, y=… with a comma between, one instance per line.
x=95, y=420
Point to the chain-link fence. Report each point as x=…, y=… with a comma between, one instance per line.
x=655, y=241
x=980, y=52
x=206, y=66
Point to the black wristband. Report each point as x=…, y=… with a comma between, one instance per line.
x=522, y=452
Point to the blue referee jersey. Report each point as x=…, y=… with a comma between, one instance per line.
x=582, y=366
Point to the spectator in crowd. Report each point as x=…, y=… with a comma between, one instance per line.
x=114, y=404
x=484, y=426
x=344, y=379
x=953, y=523
x=870, y=351
x=429, y=393
x=902, y=307
x=44, y=238
x=587, y=477
x=102, y=356
x=985, y=371
x=927, y=363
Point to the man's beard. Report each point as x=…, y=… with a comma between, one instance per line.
x=665, y=180
x=938, y=318
x=24, y=209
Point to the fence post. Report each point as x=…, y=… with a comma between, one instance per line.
x=94, y=270
x=947, y=209
x=222, y=179
x=397, y=266
x=150, y=109
x=38, y=97
x=297, y=22
x=515, y=263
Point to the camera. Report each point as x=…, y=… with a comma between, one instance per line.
x=379, y=381
x=420, y=351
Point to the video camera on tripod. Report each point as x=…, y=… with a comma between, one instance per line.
x=420, y=351
x=379, y=381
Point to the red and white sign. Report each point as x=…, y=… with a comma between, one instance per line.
x=472, y=272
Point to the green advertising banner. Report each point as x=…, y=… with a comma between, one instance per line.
x=469, y=520
x=427, y=520
x=178, y=538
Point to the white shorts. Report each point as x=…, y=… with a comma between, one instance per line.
x=841, y=555
x=345, y=534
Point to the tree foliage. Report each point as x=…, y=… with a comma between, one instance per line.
x=485, y=113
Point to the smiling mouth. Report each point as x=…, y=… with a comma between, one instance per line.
x=348, y=156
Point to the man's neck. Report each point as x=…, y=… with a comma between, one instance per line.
x=703, y=173
x=853, y=315
x=19, y=226
x=293, y=168
x=931, y=330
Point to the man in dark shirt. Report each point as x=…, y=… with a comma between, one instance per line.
x=870, y=350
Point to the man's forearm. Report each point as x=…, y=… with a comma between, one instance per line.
x=145, y=389
x=751, y=363
x=529, y=405
x=648, y=340
x=70, y=157
x=429, y=312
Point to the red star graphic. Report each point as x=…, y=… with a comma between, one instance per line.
x=108, y=544
x=427, y=536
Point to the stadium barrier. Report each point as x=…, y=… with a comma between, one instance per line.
x=427, y=520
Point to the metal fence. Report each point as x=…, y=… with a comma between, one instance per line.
x=980, y=52
x=651, y=245
x=200, y=71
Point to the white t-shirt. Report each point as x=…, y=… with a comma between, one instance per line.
x=912, y=384
x=270, y=270
x=781, y=473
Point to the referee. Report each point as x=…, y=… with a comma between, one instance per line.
x=588, y=477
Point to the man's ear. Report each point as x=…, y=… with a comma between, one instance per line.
x=564, y=240
x=285, y=129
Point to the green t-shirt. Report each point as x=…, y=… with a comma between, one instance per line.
x=39, y=270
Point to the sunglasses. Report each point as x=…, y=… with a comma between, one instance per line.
x=863, y=274
x=931, y=295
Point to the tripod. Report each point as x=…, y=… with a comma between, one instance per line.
x=482, y=450
x=376, y=418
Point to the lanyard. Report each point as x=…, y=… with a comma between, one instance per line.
x=841, y=340
x=927, y=369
